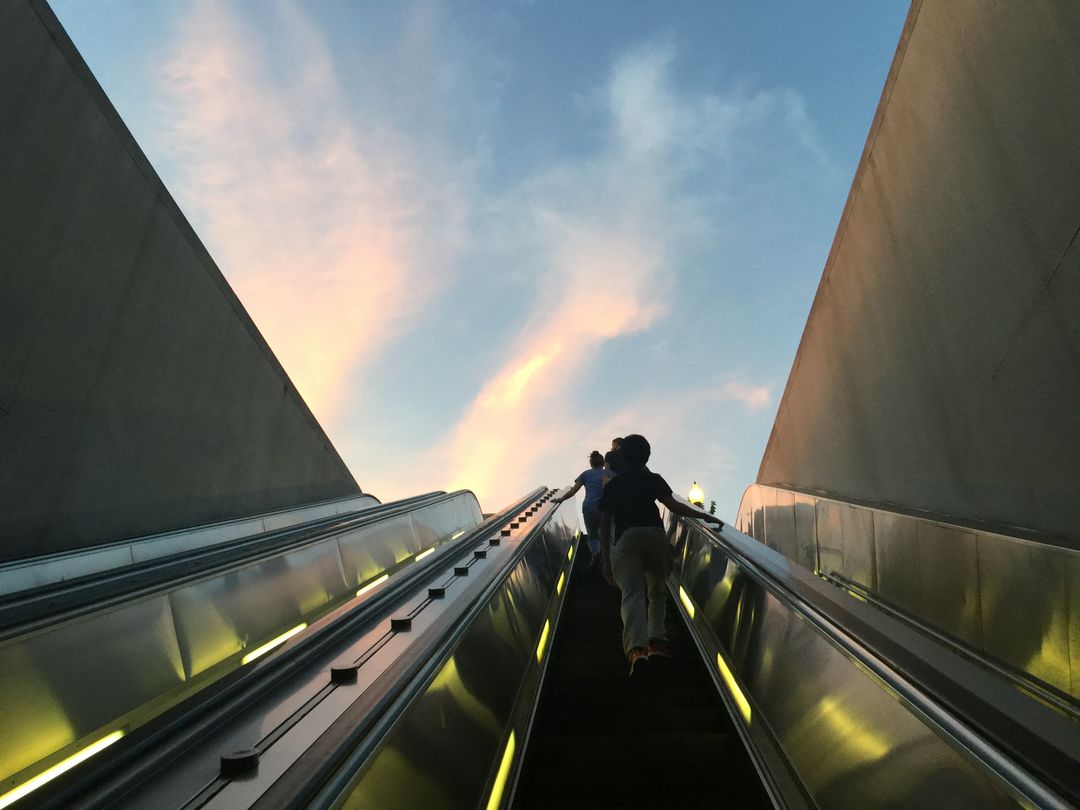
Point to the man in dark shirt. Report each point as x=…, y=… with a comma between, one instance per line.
x=637, y=556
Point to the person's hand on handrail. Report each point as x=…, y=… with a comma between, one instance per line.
x=690, y=511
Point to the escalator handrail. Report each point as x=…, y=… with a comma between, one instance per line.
x=1026, y=743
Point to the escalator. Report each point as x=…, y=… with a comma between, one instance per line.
x=603, y=739
x=488, y=672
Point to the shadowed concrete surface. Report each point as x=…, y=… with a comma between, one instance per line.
x=136, y=395
x=939, y=370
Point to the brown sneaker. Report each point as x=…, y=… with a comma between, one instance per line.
x=638, y=657
x=659, y=648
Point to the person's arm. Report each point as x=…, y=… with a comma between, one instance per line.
x=570, y=494
x=689, y=511
x=605, y=546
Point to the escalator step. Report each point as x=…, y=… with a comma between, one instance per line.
x=601, y=738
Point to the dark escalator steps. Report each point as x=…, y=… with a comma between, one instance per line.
x=602, y=739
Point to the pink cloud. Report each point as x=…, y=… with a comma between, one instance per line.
x=312, y=215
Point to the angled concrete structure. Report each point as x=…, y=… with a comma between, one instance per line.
x=136, y=394
x=939, y=371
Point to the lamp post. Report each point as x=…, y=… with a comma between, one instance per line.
x=696, y=496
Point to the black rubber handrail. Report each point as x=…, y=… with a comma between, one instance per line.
x=1028, y=745
x=135, y=758
x=31, y=609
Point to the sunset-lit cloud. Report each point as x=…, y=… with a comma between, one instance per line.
x=358, y=202
x=606, y=236
x=322, y=220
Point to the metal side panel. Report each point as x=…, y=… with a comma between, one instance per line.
x=949, y=579
x=219, y=616
x=371, y=551
x=119, y=666
x=1072, y=588
x=898, y=564
x=849, y=741
x=780, y=524
x=66, y=684
x=857, y=531
x=1024, y=626
x=1010, y=600
x=445, y=748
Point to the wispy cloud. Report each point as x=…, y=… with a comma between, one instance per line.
x=606, y=236
x=313, y=212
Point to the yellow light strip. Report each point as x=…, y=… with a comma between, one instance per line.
x=733, y=687
x=570, y=553
x=456, y=535
x=423, y=554
x=685, y=599
x=858, y=596
x=495, y=799
x=543, y=641
x=560, y=583
x=372, y=584
x=66, y=765
x=268, y=646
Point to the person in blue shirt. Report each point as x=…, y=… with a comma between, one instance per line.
x=593, y=480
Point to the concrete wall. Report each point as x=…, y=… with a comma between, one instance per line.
x=940, y=366
x=136, y=395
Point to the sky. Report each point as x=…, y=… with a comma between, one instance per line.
x=485, y=238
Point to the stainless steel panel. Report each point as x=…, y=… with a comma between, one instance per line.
x=223, y=615
x=758, y=519
x=780, y=523
x=948, y=574
x=124, y=665
x=1072, y=585
x=898, y=579
x=367, y=552
x=857, y=528
x=444, y=748
x=850, y=742
x=805, y=531
x=830, y=536
x=1025, y=626
x=68, y=682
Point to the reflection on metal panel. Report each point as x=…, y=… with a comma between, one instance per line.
x=899, y=580
x=377, y=548
x=68, y=682
x=830, y=536
x=220, y=616
x=1025, y=626
x=1072, y=584
x=849, y=742
x=949, y=580
x=780, y=524
x=60, y=685
x=84, y=562
x=447, y=748
x=857, y=532
x=1004, y=597
x=805, y=531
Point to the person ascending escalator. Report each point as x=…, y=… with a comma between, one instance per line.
x=635, y=551
x=593, y=481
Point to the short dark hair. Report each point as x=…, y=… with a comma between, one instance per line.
x=617, y=442
x=615, y=459
x=595, y=459
x=635, y=451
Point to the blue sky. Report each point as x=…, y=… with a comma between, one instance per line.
x=486, y=237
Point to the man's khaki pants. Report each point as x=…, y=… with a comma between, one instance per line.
x=640, y=563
